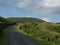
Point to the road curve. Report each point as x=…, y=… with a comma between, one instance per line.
x=17, y=38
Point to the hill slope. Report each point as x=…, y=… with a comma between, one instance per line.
x=25, y=20
x=46, y=31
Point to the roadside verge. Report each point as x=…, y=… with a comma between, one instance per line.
x=3, y=39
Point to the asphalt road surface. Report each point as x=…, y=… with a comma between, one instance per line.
x=17, y=38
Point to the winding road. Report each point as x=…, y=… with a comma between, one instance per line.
x=17, y=38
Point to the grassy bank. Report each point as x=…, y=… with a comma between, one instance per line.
x=3, y=39
x=44, y=33
x=40, y=41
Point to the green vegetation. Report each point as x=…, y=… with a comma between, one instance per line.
x=40, y=41
x=4, y=23
x=25, y=20
x=3, y=38
x=46, y=33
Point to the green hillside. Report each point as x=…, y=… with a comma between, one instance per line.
x=25, y=20
x=47, y=32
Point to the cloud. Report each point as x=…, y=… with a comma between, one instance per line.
x=47, y=7
x=46, y=19
x=35, y=6
x=23, y=3
x=40, y=6
x=51, y=3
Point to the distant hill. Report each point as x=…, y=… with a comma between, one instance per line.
x=25, y=19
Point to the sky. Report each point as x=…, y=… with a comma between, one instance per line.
x=48, y=10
